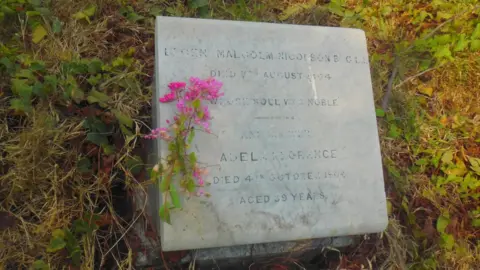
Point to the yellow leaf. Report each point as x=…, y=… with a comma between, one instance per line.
x=426, y=91
x=444, y=120
x=295, y=9
x=38, y=34
x=459, y=170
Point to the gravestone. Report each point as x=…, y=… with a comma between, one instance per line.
x=294, y=151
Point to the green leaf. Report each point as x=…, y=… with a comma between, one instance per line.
x=93, y=124
x=76, y=256
x=191, y=185
x=56, y=26
x=44, y=11
x=50, y=84
x=134, y=17
x=134, y=164
x=94, y=80
x=108, y=149
x=422, y=161
x=444, y=39
x=476, y=222
x=22, y=89
x=444, y=15
x=7, y=10
x=126, y=131
x=95, y=65
x=476, y=32
x=123, y=118
x=86, y=13
x=59, y=233
x=443, y=52
x=448, y=241
x=38, y=66
x=72, y=242
x=34, y=2
x=447, y=157
x=193, y=158
x=90, y=10
x=196, y=103
x=197, y=3
x=169, y=10
x=379, y=112
x=175, y=197
x=33, y=13
x=97, y=138
x=442, y=223
x=84, y=225
x=40, y=265
x=336, y=8
x=20, y=105
x=461, y=44
x=84, y=165
x=98, y=97
x=9, y=66
x=475, y=45
x=394, y=131
x=290, y=12
x=38, y=34
x=191, y=135
x=39, y=90
x=56, y=244
x=164, y=213
x=24, y=73
x=165, y=183
x=474, y=164
x=72, y=90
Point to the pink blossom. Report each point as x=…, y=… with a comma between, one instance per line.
x=176, y=85
x=200, y=192
x=158, y=132
x=206, y=113
x=167, y=97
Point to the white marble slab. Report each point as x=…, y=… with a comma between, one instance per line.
x=296, y=152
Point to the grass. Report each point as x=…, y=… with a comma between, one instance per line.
x=75, y=98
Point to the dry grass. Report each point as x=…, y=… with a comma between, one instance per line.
x=43, y=189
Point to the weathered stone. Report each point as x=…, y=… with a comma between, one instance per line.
x=294, y=152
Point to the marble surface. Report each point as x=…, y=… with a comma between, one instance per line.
x=294, y=152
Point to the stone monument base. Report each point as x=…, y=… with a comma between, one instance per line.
x=245, y=255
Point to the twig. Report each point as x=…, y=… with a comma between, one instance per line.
x=132, y=223
x=395, y=64
x=415, y=76
x=390, y=83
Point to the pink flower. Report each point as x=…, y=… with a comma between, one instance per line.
x=167, y=97
x=158, y=132
x=176, y=85
x=200, y=192
x=206, y=113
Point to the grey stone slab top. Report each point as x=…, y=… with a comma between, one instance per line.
x=294, y=152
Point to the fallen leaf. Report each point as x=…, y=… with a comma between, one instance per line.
x=38, y=34
x=426, y=91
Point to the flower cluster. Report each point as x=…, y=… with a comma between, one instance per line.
x=159, y=132
x=191, y=111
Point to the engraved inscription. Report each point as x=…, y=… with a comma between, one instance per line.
x=235, y=54
x=280, y=155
